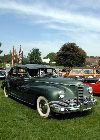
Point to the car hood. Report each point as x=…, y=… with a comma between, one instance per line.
x=58, y=80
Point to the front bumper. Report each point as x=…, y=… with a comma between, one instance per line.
x=59, y=107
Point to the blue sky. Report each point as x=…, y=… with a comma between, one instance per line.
x=48, y=24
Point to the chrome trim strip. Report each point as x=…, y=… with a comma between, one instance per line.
x=56, y=107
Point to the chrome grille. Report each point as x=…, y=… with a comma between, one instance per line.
x=69, y=103
x=80, y=93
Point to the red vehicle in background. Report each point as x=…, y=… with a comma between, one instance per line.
x=94, y=82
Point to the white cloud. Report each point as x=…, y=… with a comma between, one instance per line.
x=64, y=28
x=75, y=21
x=45, y=47
x=46, y=14
x=77, y=4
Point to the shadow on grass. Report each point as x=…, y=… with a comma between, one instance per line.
x=71, y=115
x=96, y=94
x=24, y=103
x=58, y=116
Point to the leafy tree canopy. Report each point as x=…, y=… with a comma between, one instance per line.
x=92, y=57
x=0, y=46
x=35, y=56
x=88, y=63
x=70, y=55
x=8, y=58
x=51, y=56
x=99, y=62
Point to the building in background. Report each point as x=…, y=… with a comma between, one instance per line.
x=46, y=60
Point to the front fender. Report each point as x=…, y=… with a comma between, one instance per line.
x=51, y=93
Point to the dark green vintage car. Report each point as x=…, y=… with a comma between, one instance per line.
x=40, y=85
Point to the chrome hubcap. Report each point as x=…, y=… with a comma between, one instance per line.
x=43, y=106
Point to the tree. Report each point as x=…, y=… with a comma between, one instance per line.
x=99, y=62
x=0, y=46
x=51, y=56
x=35, y=56
x=25, y=60
x=8, y=58
x=88, y=63
x=70, y=55
x=92, y=57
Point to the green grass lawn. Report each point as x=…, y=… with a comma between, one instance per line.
x=19, y=121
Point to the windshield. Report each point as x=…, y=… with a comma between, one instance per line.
x=41, y=72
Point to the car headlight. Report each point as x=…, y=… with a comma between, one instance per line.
x=61, y=94
x=90, y=90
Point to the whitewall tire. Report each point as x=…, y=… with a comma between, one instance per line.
x=43, y=107
x=5, y=92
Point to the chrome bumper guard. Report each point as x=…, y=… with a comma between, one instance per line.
x=56, y=107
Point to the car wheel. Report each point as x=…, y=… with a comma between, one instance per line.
x=43, y=107
x=5, y=92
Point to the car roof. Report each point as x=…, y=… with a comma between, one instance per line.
x=85, y=68
x=34, y=66
x=92, y=78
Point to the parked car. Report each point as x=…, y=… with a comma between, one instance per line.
x=66, y=71
x=93, y=82
x=40, y=85
x=85, y=71
x=59, y=72
x=3, y=74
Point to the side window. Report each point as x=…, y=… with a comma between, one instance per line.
x=50, y=71
x=91, y=71
x=97, y=71
x=76, y=71
x=85, y=71
x=33, y=72
x=13, y=72
x=21, y=73
x=88, y=71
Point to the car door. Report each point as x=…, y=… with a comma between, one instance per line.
x=16, y=82
x=24, y=86
x=96, y=87
x=13, y=82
